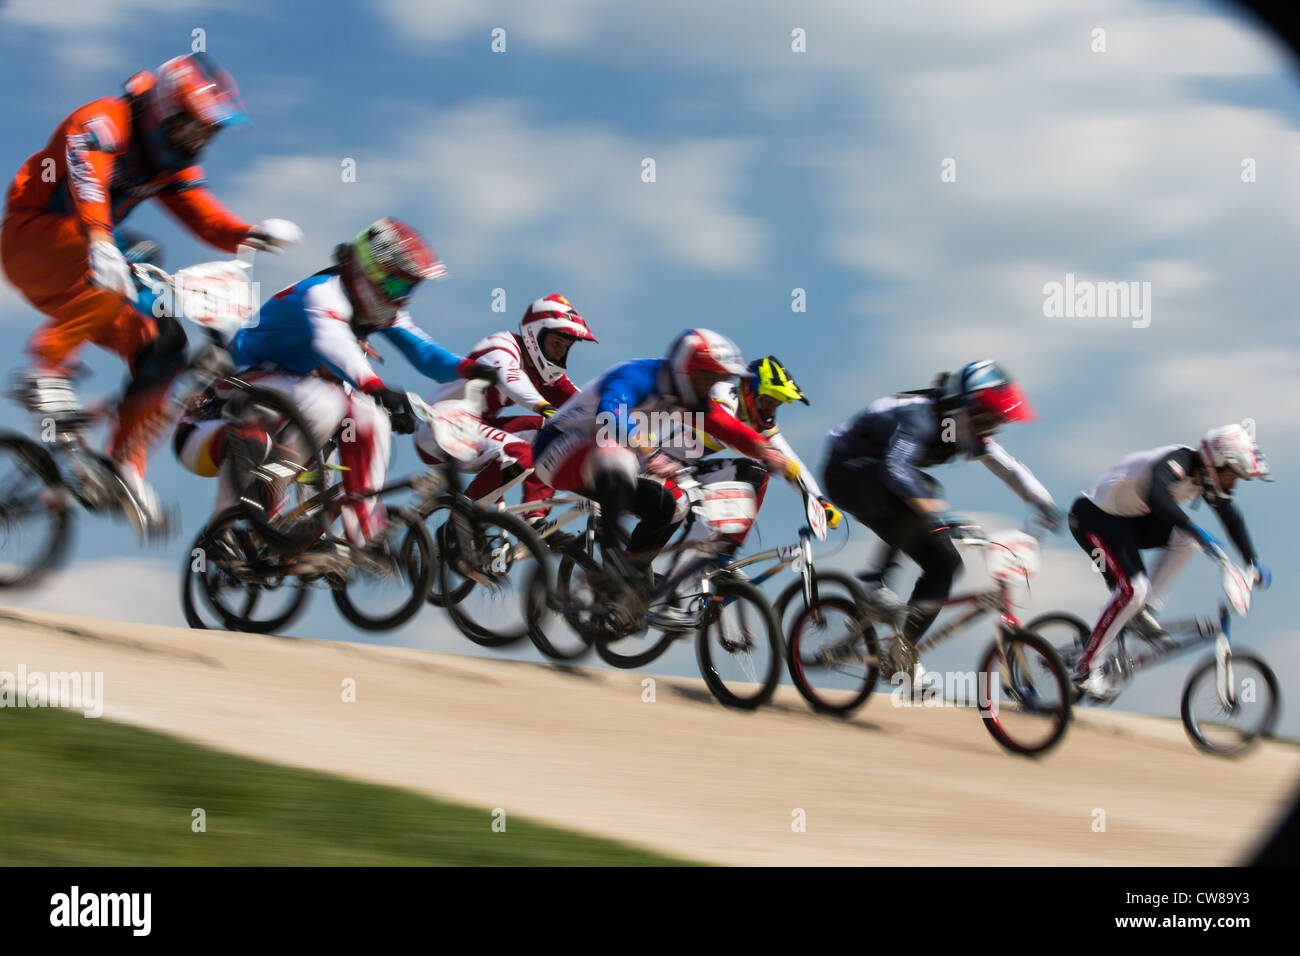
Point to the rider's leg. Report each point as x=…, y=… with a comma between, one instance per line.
x=1113, y=545
x=939, y=561
x=661, y=507
x=707, y=473
x=365, y=459
x=504, y=454
x=45, y=257
x=153, y=366
x=321, y=404
x=1180, y=548
x=199, y=447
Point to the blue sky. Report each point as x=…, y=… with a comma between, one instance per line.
x=775, y=170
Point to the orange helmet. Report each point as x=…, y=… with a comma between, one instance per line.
x=191, y=98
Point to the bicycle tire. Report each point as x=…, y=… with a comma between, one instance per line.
x=725, y=590
x=1192, y=725
x=796, y=661
x=1061, y=711
x=479, y=519
x=41, y=465
x=417, y=544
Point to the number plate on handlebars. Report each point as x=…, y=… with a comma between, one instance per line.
x=1012, y=555
x=215, y=295
x=1236, y=588
x=816, y=517
x=456, y=429
x=727, y=507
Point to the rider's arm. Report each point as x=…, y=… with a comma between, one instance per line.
x=1235, y=525
x=430, y=358
x=187, y=197
x=622, y=389
x=903, y=453
x=1016, y=475
x=806, y=479
x=726, y=428
x=91, y=142
x=1166, y=473
x=334, y=342
x=512, y=381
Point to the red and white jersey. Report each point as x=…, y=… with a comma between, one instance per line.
x=519, y=383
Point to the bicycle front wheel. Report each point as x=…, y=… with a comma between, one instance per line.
x=35, y=515
x=497, y=553
x=1227, y=721
x=834, y=656
x=739, y=645
x=1024, y=693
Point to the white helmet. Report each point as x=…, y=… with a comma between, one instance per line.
x=1232, y=447
x=551, y=314
x=701, y=350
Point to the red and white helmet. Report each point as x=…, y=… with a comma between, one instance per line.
x=384, y=264
x=701, y=350
x=1231, y=446
x=552, y=313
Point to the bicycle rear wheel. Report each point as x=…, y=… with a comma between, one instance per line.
x=1228, y=729
x=1024, y=693
x=739, y=645
x=239, y=578
x=1068, y=635
x=833, y=656
x=384, y=593
x=35, y=515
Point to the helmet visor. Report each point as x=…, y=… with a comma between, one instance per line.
x=991, y=407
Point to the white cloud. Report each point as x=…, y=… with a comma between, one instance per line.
x=90, y=35
x=488, y=178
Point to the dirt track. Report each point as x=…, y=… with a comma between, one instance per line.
x=580, y=748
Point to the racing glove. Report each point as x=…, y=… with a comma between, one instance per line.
x=1053, y=518
x=480, y=370
x=662, y=465
x=398, y=407
x=108, y=269
x=273, y=235
x=545, y=409
x=1263, y=576
x=833, y=516
x=775, y=461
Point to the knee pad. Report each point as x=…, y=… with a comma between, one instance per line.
x=610, y=460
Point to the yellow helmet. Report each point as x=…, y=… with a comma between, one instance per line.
x=768, y=377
